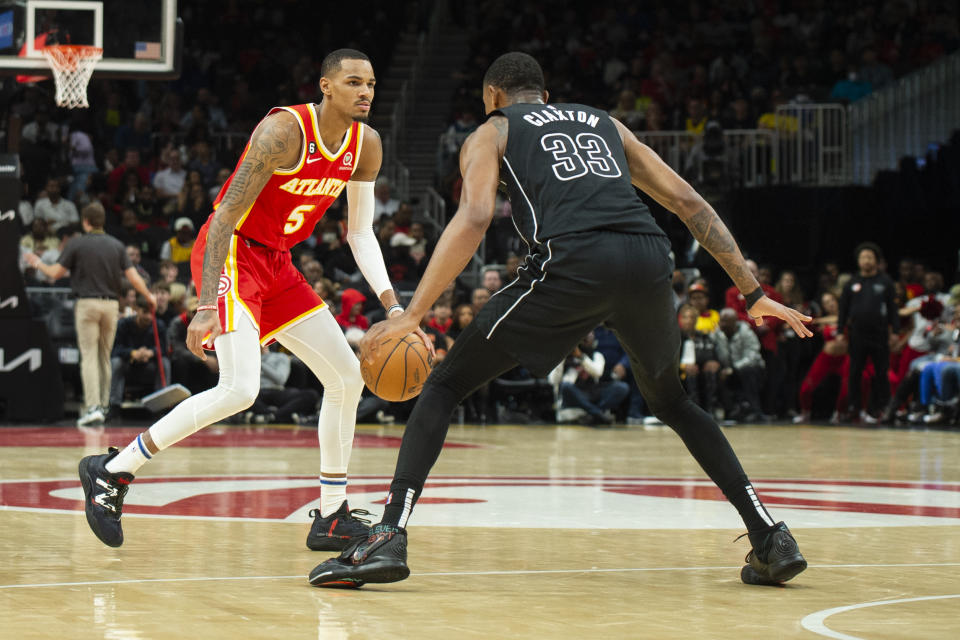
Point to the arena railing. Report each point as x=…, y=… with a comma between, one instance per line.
x=911, y=117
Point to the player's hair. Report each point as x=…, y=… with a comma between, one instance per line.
x=142, y=303
x=868, y=246
x=94, y=214
x=331, y=64
x=515, y=72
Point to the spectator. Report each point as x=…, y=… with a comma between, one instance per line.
x=41, y=130
x=215, y=188
x=147, y=208
x=699, y=363
x=480, y=297
x=187, y=369
x=39, y=239
x=117, y=177
x=769, y=334
x=96, y=263
x=82, y=159
x=136, y=136
x=626, y=110
x=442, y=317
x=579, y=387
x=134, y=358
x=739, y=353
x=868, y=312
x=831, y=361
x=351, y=310
x=707, y=319
x=204, y=163
x=55, y=209
x=492, y=281
x=384, y=204
x=462, y=316
x=169, y=181
x=194, y=206
x=135, y=255
x=277, y=402
x=177, y=249
x=165, y=310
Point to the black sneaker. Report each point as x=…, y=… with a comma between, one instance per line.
x=778, y=559
x=103, y=494
x=335, y=532
x=382, y=557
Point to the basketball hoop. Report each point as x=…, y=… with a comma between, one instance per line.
x=72, y=67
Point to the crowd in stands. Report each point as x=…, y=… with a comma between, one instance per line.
x=700, y=67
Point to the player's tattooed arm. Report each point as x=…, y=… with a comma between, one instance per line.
x=655, y=178
x=502, y=125
x=275, y=144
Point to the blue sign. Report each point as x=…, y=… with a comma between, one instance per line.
x=6, y=29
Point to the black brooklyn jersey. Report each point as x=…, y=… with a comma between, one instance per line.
x=566, y=171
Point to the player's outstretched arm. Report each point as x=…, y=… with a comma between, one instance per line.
x=275, y=144
x=652, y=175
x=480, y=168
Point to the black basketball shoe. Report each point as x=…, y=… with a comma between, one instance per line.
x=335, y=532
x=777, y=560
x=382, y=557
x=103, y=494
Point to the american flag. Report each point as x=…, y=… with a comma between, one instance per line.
x=147, y=50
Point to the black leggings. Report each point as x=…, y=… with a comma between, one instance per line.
x=648, y=333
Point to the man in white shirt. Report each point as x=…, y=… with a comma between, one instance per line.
x=53, y=208
x=169, y=182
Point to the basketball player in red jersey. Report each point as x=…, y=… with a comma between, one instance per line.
x=297, y=162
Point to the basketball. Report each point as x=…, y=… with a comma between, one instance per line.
x=400, y=369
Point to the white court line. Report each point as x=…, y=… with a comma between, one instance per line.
x=815, y=621
x=473, y=573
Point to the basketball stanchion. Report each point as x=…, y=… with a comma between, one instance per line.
x=72, y=67
x=168, y=395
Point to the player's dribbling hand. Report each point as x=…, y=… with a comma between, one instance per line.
x=767, y=307
x=204, y=323
x=396, y=326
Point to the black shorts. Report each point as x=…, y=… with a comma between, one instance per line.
x=577, y=282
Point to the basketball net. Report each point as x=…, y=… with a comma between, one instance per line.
x=72, y=67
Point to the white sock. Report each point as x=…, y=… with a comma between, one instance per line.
x=130, y=458
x=333, y=491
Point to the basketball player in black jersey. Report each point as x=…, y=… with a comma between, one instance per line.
x=595, y=256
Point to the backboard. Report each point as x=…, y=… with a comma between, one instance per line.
x=139, y=38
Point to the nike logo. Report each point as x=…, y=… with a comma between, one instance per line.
x=312, y=160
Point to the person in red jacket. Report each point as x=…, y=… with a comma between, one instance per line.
x=768, y=335
x=351, y=310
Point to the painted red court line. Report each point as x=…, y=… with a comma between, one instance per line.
x=215, y=436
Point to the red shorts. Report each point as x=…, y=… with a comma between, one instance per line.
x=260, y=282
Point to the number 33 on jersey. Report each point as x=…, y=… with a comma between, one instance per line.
x=293, y=200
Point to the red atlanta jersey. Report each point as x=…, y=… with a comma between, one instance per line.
x=293, y=201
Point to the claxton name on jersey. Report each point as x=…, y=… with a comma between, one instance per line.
x=552, y=114
x=313, y=187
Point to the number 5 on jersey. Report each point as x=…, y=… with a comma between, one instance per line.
x=296, y=218
x=571, y=164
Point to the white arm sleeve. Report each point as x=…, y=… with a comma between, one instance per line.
x=362, y=240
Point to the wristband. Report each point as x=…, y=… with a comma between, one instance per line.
x=752, y=297
x=392, y=307
x=207, y=307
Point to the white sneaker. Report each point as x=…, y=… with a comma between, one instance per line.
x=92, y=417
x=802, y=418
x=866, y=418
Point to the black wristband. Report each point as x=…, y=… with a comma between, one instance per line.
x=753, y=296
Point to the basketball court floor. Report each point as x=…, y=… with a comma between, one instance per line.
x=523, y=532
